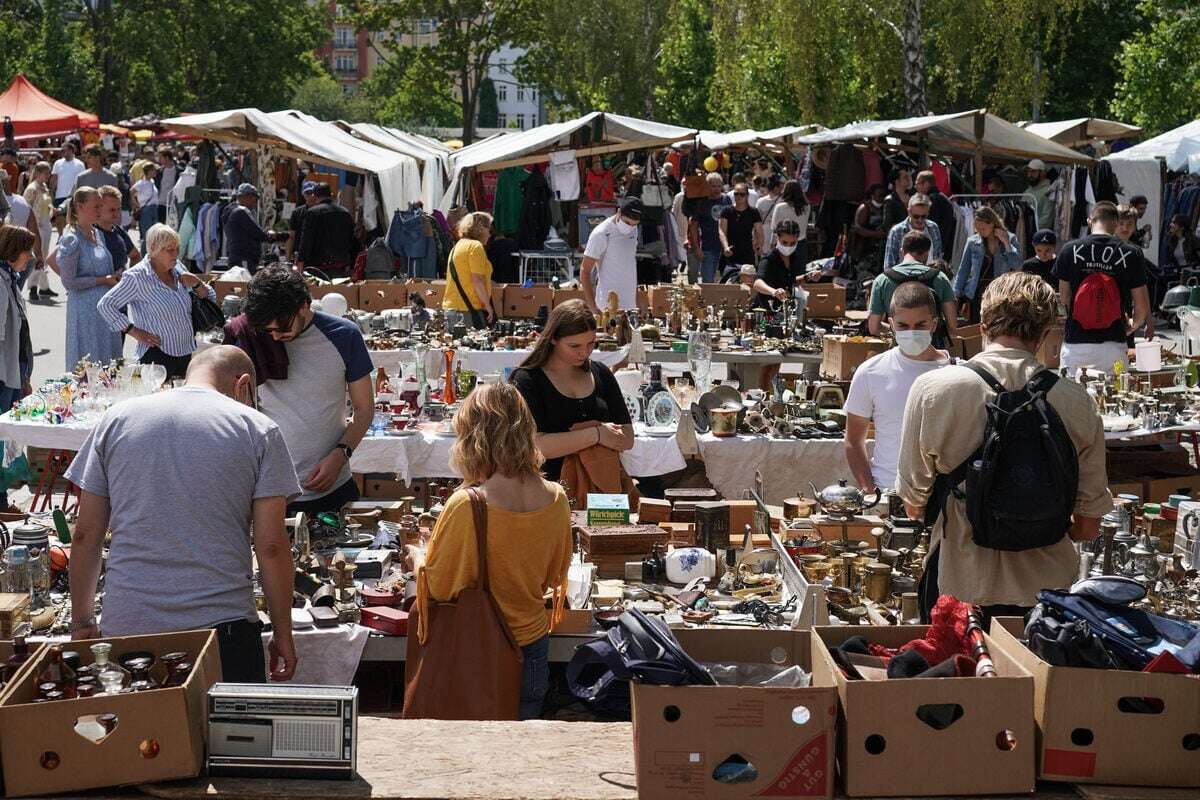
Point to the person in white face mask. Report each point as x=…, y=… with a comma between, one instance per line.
x=779, y=270
x=881, y=385
x=610, y=258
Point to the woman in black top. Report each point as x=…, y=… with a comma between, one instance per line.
x=780, y=269
x=563, y=386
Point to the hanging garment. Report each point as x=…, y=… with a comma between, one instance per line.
x=872, y=170
x=406, y=236
x=564, y=175
x=1082, y=202
x=1107, y=187
x=941, y=176
x=535, y=212
x=370, y=204
x=506, y=213
x=846, y=174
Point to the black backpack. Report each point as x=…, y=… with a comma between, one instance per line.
x=380, y=264
x=941, y=336
x=1022, y=481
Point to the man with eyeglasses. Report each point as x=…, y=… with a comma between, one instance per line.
x=741, y=228
x=918, y=220
x=327, y=359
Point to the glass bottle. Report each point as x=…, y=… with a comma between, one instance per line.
x=170, y=660
x=655, y=385
x=58, y=672
x=86, y=690
x=179, y=674
x=45, y=688
x=20, y=656
x=111, y=676
x=140, y=678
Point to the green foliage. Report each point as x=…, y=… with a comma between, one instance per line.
x=687, y=65
x=402, y=95
x=322, y=97
x=489, y=106
x=1160, y=68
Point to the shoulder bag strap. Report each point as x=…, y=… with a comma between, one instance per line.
x=479, y=509
x=988, y=378
x=461, y=293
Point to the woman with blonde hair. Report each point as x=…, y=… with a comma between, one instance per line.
x=528, y=540
x=83, y=262
x=468, y=299
x=989, y=253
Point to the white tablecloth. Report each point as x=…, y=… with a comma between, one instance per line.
x=481, y=362
x=326, y=656
x=787, y=465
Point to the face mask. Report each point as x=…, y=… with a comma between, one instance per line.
x=624, y=227
x=787, y=249
x=913, y=343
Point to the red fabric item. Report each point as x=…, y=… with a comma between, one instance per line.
x=946, y=637
x=873, y=169
x=1167, y=664
x=941, y=176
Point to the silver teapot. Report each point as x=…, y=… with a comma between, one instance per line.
x=843, y=501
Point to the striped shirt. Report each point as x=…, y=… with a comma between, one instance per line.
x=892, y=255
x=154, y=307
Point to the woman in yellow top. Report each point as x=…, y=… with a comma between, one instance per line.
x=468, y=260
x=529, y=530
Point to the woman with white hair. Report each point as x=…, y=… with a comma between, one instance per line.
x=156, y=294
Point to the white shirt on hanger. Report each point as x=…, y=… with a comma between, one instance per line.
x=564, y=175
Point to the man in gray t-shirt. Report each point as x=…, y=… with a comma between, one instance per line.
x=177, y=477
x=95, y=175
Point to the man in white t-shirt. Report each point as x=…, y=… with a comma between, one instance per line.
x=880, y=387
x=64, y=173
x=612, y=253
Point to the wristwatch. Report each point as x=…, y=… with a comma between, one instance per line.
x=345, y=448
x=80, y=624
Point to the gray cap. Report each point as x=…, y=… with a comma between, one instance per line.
x=246, y=188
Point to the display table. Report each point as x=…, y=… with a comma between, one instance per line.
x=481, y=362
x=395, y=648
x=787, y=465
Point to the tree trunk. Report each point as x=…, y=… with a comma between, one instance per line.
x=468, y=108
x=916, y=103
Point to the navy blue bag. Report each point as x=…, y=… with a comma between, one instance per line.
x=638, y=648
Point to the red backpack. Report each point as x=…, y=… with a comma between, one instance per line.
x=1097, y=303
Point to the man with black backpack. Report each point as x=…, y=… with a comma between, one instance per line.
x=1003, y=461
x=915, y=247
x=1100, y=279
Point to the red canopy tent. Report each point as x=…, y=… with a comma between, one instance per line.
x=37, y=115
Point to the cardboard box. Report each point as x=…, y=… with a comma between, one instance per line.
x=1084, y=737
x=6, y=650
x=887, y=750
x=1051, y=349
x=498, y=298
x=681, y=734
x=661, y=294
x=346, y=290
x=433, y=292
x=825, y=301
x=1168, y=479
x=730, y=295
x=607, y=509
x=381, y=295
x=391, y=510
x=643, y=299
x=1127, y=487
x=522, y=303
x=225, y=288
x=563, y=295
x=842, y=355
x=969, y=342
x=577, y=621
x=159, y=734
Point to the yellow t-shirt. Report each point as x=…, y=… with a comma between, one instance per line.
x=469, y=258
x=528, y=553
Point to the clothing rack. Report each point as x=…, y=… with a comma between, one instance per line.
x=1027, y=198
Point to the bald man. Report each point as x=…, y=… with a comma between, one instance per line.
x=177, y=477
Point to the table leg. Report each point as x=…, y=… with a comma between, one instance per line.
x=57, y=462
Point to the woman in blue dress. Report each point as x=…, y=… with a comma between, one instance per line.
x=86, y=268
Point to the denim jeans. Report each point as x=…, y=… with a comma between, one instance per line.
x=710, y=261
x=535, y=681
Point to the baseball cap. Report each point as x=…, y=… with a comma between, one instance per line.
x=246, y=188
x=1045, y=236
x=308, y=186
x=1037, y=164
x=631, y=207
x=747, y=269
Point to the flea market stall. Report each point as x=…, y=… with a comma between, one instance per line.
x=36, y=115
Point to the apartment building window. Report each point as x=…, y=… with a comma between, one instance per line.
x=426, y=26
x=501, y=120
x=533, y=95
x=345, y=64
x=501, y=92
x=521, y=121
x=343, y=37
x=520, y=94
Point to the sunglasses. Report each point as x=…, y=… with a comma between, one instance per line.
x=741, y=194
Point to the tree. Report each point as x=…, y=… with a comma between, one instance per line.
x=686, y=65
x=455, y=62
x=322, y=97
x=1159, y=87
x=1080, y=61
x=489, y=107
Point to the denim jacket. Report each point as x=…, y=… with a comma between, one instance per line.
x=967, y=279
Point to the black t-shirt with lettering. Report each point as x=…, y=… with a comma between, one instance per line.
x=1100, y=253
x=1043, y=269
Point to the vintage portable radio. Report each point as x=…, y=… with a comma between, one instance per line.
x=282, y=731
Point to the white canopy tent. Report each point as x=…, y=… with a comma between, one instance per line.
x=967, y=133
x=1076, y=132
x=715, y=140
x=430, y=152
x=1179, y=148
x=592, y=134
x=298, y=135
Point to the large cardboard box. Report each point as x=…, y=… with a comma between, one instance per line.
x=381, y=295
x=842, y=355
x=885, y=748
x=225, y=288
x=825, y=301
x=969, y=342
x=563, y=295
x=1168, y=479
x=346, y=290
x=731, y=295
x=522, y=303
x=432, y=292
x=1084, y=736
x=385, y=488
x=681, y=734
x=661, y=294
x=159, y=734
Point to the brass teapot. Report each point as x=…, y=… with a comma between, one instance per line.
x=843, y=501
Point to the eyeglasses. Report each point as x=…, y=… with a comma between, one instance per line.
x=741, y=194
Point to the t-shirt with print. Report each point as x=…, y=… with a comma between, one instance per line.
x=707, y=211
x=181, y=470
x=943, y=425
x=1105, y=254
x=884, y=287
x=310, y=404
x=877, y=392
x=739, y=232
x=1043, y=269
